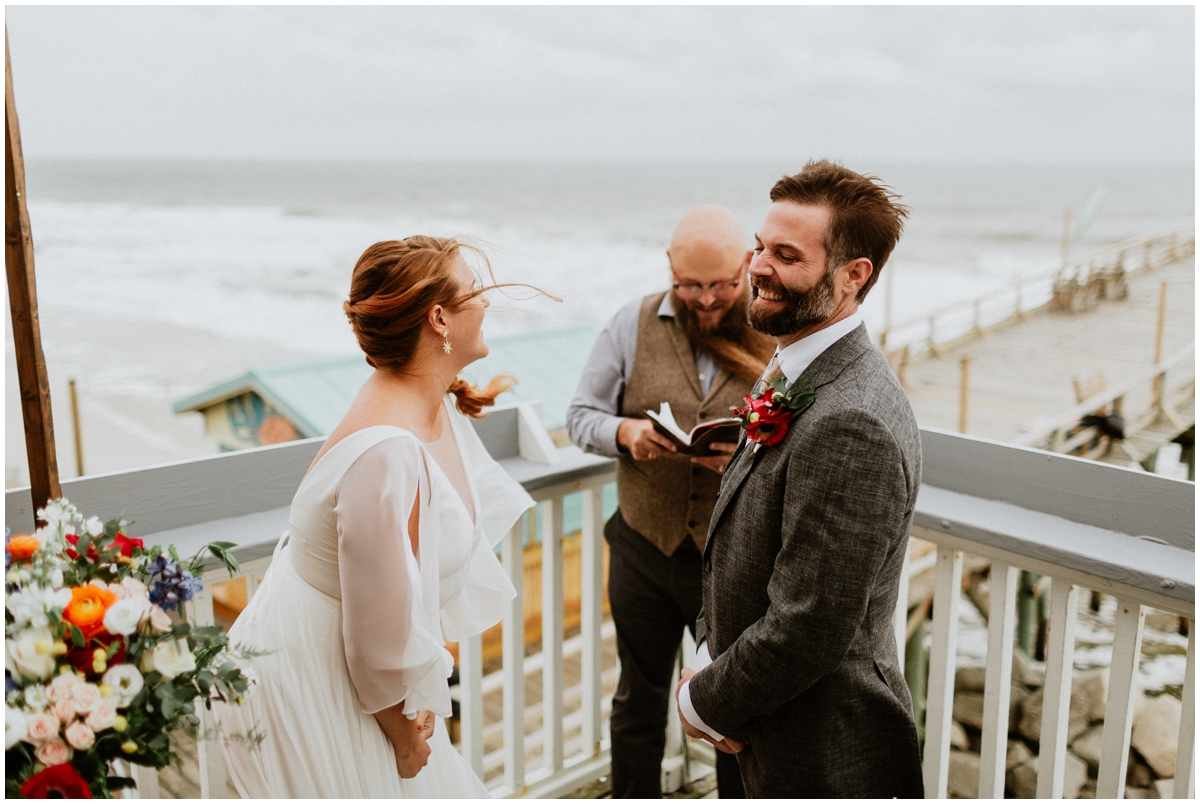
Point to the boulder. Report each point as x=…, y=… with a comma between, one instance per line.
x=970, y=679
x=1024, y=673
x=1156, y=732
x=1165, y=788
x=1089, y=694
x=1138, y=773
x=1087, y=747
x=968, y=709
x=1022, y=779
x=964, y=775
x=958, y=737
x=1018, y=752
x=1138, y=792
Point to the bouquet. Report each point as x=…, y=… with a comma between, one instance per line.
x=97, y=668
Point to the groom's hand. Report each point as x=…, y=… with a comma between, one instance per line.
x=728, y=745
x=717, y=463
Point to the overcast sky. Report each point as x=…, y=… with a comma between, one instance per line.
x=1067, y=85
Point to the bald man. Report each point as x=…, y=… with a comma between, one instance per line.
x=690, y=345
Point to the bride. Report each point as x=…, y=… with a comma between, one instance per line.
x=388, y=555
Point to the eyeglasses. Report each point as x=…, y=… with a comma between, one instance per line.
x=692, y=290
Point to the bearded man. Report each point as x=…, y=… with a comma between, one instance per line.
x=810, y=532
x=690, y=346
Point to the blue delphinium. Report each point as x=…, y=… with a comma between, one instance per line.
x=172, y=585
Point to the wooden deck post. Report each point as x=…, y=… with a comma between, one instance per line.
x=22, y=294
x=964, y=391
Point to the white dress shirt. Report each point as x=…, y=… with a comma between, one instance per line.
x=793, y=360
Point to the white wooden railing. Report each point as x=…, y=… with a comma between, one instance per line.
x=1101, y=273
x=1084, y=525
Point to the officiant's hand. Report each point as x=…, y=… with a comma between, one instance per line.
x=717, y=462
x=728, y=745
x=639, y=438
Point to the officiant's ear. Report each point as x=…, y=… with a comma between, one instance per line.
x=854, y=274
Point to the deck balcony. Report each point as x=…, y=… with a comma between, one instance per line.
x=1084, y=526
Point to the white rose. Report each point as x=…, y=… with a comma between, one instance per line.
x=134, y=588
x=32, y=653
x=169, y=658
x=122, y=617
x=126, y=683
x=14, y=727
x=103, y=715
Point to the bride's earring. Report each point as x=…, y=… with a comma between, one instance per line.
x=446, y=347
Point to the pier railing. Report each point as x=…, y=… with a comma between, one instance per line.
x=1076, y=286
x=1155, y=394
x=1084, y=525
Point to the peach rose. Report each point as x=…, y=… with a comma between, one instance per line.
x=64, y=710
x=87, y=608
x=103, y=715
x=53, y=752
x=62, y=686
x=79, y=736
x=85, y=696
x=41, y=727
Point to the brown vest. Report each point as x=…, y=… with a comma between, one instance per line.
x=669, y=499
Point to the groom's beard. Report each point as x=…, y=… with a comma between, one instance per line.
x=801, y=308
x=732, y=343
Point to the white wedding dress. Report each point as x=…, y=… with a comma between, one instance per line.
x=358, y=623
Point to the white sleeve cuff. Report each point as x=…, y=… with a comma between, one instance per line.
x=689, y=713
x=702, y=659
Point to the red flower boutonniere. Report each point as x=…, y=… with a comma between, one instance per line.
x=767, y=415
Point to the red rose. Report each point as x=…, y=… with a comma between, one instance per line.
x=126, y=544
x=57, y=781
x=767, y=420
x=121, y=542
x=84, y=658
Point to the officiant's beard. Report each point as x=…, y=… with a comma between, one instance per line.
x=731, y=341
x=802, y=309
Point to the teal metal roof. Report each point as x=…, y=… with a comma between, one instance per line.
x=315, y=394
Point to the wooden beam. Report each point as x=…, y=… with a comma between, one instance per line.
x=22, y=295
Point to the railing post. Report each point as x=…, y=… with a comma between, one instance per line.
x=513, y=634
x=1122, y=689
x=940, y=703
x=1056, y=703
x=470, y=684
x=1002, y=611
x=552, y=633
x=592, y=611
x=208, y=744
x=146, y=779
x=1185, y=759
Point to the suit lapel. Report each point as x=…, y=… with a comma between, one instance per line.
x=824, y=370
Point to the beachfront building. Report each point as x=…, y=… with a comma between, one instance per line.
x=289, y=401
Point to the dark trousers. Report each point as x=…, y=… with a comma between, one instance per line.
x=653, y=598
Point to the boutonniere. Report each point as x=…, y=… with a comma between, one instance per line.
x=768, y=413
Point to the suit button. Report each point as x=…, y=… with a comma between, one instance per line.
x=691, y=523
x=694, y=497
x=695, y=470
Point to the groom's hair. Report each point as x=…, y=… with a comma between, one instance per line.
x=865, y=216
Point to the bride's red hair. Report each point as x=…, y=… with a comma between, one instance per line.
x=395, y=284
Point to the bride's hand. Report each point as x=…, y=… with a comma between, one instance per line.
x=425, y=723
x=409, y=741
x=410, y=759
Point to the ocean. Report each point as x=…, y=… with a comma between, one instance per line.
x=158, y=279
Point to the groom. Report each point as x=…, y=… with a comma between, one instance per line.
x=806, y=544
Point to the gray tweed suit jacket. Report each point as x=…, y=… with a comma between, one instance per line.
x=801, y=573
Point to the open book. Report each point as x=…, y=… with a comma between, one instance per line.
x=697, y=441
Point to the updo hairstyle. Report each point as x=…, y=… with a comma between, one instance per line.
x=394, y=286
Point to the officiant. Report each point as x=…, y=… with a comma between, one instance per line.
x=691, y=346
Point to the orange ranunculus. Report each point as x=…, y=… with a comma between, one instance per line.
x=22, y=546
x=87, y=607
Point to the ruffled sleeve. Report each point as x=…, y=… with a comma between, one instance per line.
x=482, y=588
x=394, y=650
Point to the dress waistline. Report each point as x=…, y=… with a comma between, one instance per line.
x=307, y=568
